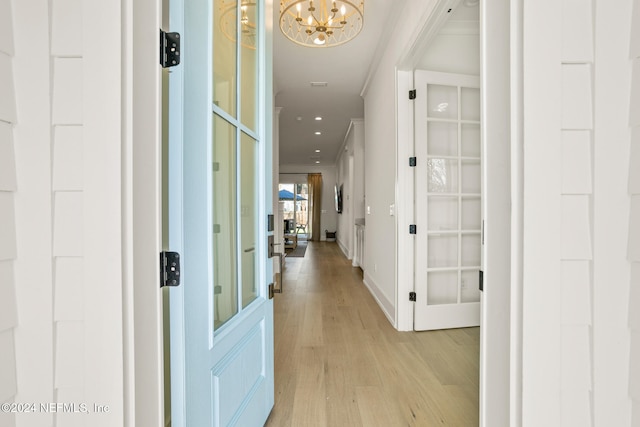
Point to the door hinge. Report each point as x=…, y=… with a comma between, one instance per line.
x=169, y=269
x=413, y=229
x=412, y=296
x=412, y=94
x=413, y=161
x=169, y=49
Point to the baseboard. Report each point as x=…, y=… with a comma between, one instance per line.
x=385, y=305
x=343, y=248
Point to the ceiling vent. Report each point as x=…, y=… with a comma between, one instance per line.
x=319, y=84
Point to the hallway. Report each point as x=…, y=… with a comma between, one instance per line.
x=339, y=362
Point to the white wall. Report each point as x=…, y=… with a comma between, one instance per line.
x=345, y=178
x=329, y=219
x=380, y=158
x=8, y=187
x=358, y=169
x=577, y=240
x=609, y=354
x=450, y=52
x=62, y=254
x=350, y=173
x=616, y=213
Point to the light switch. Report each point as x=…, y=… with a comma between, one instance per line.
x=368, y=210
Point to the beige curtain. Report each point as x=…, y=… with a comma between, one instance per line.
x=314, y=181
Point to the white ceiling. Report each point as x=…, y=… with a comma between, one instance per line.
x=345, y=68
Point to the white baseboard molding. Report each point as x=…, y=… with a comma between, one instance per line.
x=385, y=305
x=343, y=248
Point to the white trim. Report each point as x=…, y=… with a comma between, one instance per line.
x=496, y=213
x=385, y=305
x=174, y=236
x=345, y=141
x=344, y=249
x=405, y=202
x=423, y=36
x=517, y=213
x=396, y=12
x=142, y=223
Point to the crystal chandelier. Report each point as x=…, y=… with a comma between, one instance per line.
x=321, y=23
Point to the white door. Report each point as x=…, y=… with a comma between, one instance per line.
x=448, y=200
x=221, y=316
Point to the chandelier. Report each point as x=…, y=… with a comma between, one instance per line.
x=321, y=23
x=228, y=21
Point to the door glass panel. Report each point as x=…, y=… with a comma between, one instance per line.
x=442, y=287
x=442, y=175
x=442, y=102
x=471, y=215
x=470, y=140
x=224, y=55
x=470, y=104
x=248, y=67
x=248, y=217
x=442, y=251
x=470, y=291
x=471, y=176
x=225, y=295
x=442, y=139
x=302, y=210
x=442, y=213
x=470, y=250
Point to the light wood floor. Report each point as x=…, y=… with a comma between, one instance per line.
x=339, y=362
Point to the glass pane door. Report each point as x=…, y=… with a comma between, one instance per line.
x=248, y=217
x=221, y=316
x=294, y=204
x=448, y=194
x=235, y=168
x=225, y=277
x=453, y=194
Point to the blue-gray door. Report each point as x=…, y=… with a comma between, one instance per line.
x=221, y=316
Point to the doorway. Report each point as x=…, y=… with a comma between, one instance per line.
x=293, y=201
x=500, y=350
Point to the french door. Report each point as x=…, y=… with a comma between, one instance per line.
x=221, y=317
x=448, y=200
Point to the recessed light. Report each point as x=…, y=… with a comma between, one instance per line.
x=318, y=133
x=317, y=151
x=317, y=161
x=299, y=118
x=318, y=118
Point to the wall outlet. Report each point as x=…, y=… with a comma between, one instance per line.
x=392, y=209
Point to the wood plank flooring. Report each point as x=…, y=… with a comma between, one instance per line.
x=339, y=362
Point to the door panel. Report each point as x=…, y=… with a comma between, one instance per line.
x=224, y=210
x=221, y=317
x=448, y=246
x=248, y=217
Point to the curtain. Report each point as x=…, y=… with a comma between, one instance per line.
x=314, y=181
